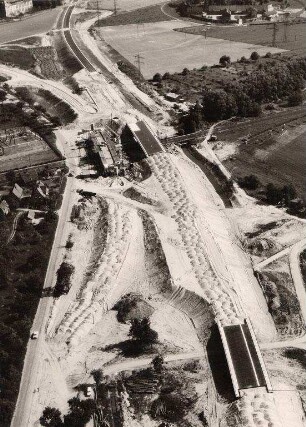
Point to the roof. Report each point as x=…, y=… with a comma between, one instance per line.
x=105, y=156
x=4, y=207
x=231, y=8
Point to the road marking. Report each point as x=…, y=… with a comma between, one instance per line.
x=247, y=346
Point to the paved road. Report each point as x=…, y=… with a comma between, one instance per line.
x=82, y=59
x=41, y=22
x=244, y=357
x=35, y=347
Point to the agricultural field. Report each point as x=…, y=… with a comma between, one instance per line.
x=122, y=5
x=24, y=150
x=164, y=50
x=272, y=147
x=288, y=37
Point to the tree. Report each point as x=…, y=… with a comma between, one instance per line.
x=158, y=363
x=80, y=412
x=289, y=193
x=225, y=60
x=169, y=407
x=185, y=72
x=63, y=279
x=97, y=375
x=254, y=56
x=296, y=98
x=141, y=331
x=51, y=417
x=273, y=194
x=219, y=104
x=251, y=182
x=251, y=12
x=11, y=177
x=2, y=95
x=157, y=78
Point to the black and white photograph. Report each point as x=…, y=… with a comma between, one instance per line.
x=152, y=213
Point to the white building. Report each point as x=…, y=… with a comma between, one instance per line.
x=11, y=8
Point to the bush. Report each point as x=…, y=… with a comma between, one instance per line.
x=157, y=78
x=169, y=407
x=63, y=279
x=254, y=56
x=295, y=99
x=225, y=60
x=141, y=331
x=250, y=182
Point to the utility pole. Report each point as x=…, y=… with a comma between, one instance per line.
x=286, y=23
x=275, y=30
x=139, y=61
x=115, y=7
x=98, y=12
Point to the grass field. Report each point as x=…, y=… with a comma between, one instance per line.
x=122, y=5
x=290, y=37
x=140, y=16
x=273, y=152
x=165, y=50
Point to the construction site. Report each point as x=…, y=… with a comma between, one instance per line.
x=163, y=302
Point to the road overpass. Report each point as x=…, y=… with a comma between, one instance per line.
x=149, y=143
x=244, y=359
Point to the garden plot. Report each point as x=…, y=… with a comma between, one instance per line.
x=165, y=50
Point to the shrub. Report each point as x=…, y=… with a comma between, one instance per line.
x=141, y=331
x=224, y=60
x=157, y=78
x=254, y=56
x=63, y=279
x=169, y=407
x=250, y=182
x=166, y=76
x=296, y=98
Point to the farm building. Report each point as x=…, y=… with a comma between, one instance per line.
x=11, y=8
x=226, y=14
x=173, y=97
x=21, y=192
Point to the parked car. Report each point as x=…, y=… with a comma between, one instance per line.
x=213, y=138
x=34, y=335
x=88, y=391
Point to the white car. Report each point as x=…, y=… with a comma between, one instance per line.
x=88, y=391
x=34, y=335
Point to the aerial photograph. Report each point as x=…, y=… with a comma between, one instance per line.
x=152, y=213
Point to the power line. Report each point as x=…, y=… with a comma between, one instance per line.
x=139, y=61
